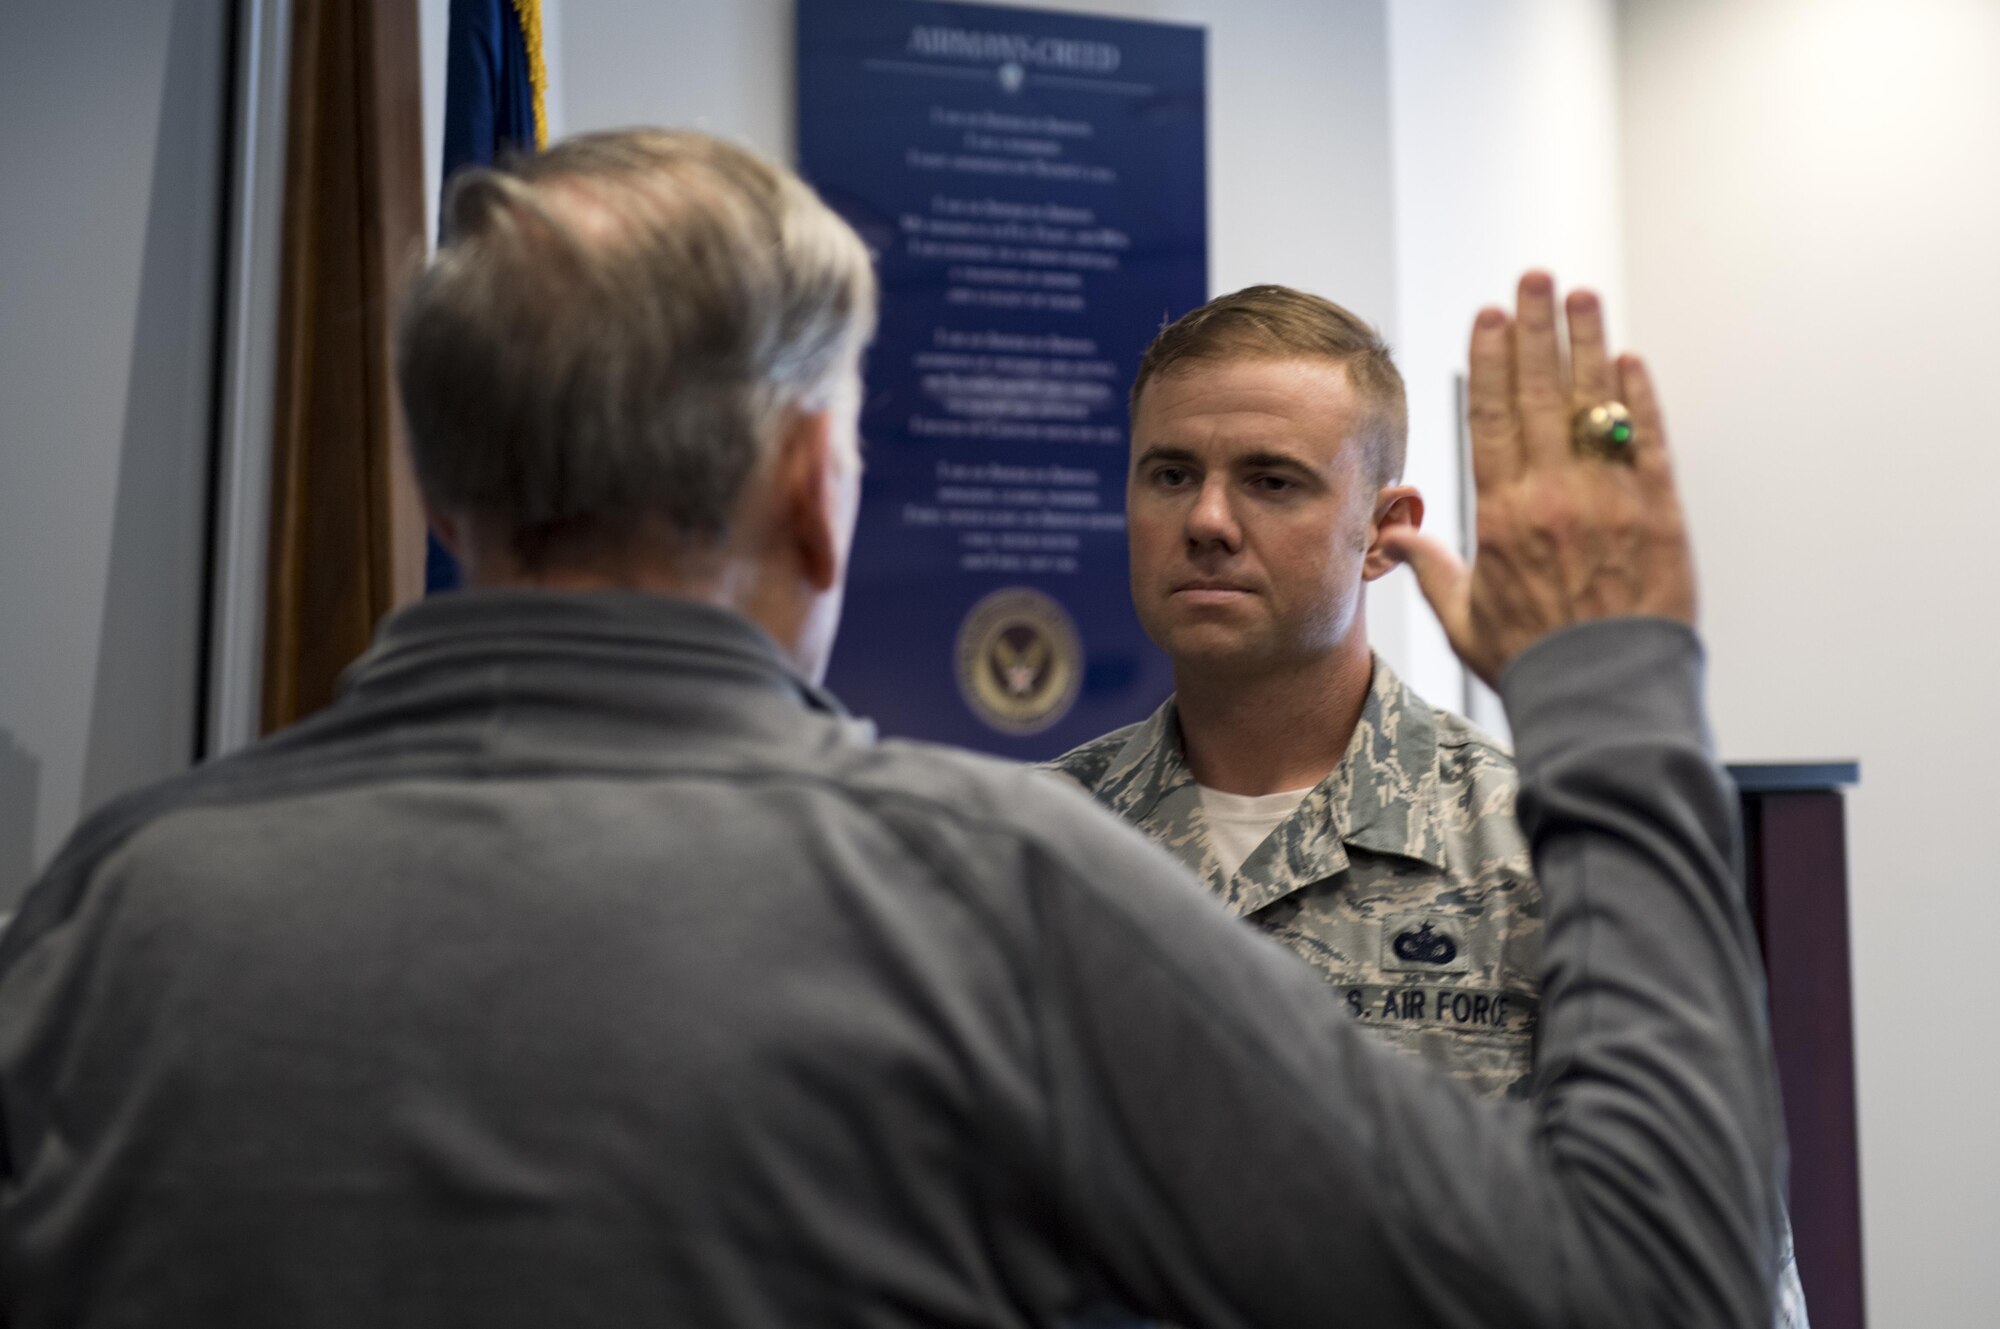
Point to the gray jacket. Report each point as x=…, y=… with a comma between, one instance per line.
x=583, y=966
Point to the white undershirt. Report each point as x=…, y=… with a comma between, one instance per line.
x=1238, y=823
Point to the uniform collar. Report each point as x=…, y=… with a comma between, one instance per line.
x=1385, y=790
x=1382, y=798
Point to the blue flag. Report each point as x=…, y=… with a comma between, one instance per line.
x=494, y=90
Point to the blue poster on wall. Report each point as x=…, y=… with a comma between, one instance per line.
x=1035, y=188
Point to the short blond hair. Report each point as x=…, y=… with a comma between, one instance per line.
x=1274, y=322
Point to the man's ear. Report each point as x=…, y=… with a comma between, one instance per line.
x=1395, y=506
x=809, y=469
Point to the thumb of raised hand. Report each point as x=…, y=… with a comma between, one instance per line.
x=1446, y=581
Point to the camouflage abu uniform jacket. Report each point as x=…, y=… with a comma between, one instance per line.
x=1403, y=878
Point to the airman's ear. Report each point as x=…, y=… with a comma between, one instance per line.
x=1396, y=507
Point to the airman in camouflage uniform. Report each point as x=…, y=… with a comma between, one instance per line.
x=1403, y=876
x=1268, y=434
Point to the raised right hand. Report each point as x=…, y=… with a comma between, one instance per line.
x=1563, y=537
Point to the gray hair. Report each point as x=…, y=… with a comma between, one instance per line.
x=612, y=333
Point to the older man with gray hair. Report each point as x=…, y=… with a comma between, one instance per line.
x=586, y=965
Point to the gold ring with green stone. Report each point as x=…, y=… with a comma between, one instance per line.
x=1604, y=431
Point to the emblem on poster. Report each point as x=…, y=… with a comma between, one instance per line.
x=1020, y=662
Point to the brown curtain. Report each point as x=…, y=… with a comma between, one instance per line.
x=347, y=536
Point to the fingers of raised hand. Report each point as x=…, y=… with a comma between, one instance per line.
x=1541, y=386
x=1563, y=537
x=1649, y=435
x=1591, y=377
x=1652, y=466
x=1491, y=418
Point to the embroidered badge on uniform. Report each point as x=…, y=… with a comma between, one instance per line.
x=1425, y=944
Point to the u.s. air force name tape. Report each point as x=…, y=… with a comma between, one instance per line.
x=1488, y=1010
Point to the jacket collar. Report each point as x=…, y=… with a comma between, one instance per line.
x=1382, y=797
x=648, y=641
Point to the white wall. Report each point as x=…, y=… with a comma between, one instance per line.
x=1506, y=157
x=433, y=23
x=110, y=235
x=1812, y=209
